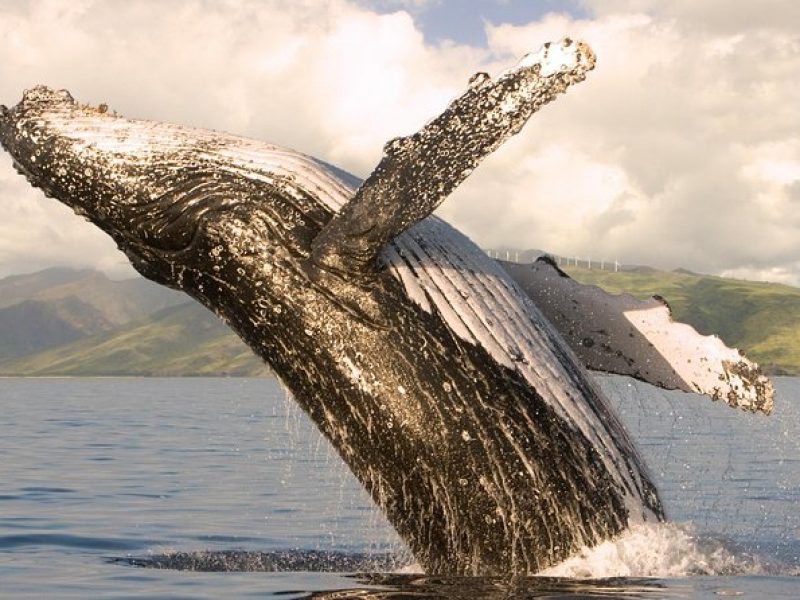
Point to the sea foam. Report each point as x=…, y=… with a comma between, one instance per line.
x=657, y=550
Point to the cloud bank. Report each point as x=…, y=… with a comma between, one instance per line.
x=681, y=149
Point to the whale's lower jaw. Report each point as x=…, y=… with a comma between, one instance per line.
x=487, y=459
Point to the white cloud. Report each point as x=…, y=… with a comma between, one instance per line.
x=681, y=149
x=37, y=232
x=697, y=134
x=331, y=79
x=711, y=16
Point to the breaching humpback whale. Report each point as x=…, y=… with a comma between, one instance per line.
x=448, y=393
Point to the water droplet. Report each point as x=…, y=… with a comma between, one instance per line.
x=401, y=389
x=466, y=436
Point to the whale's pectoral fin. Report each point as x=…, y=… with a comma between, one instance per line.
x=621, y=334
x=419, y=171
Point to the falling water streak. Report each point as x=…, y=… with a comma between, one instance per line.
x=303, y=438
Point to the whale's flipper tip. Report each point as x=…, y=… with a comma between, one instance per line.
x=623, y=335
x=702, y=363
x=562, y=56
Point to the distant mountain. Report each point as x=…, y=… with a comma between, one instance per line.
x=18, y=288
x=118, y=301
x=58, y=306
x=61, y=322
x=182, y=340
x=34, y=325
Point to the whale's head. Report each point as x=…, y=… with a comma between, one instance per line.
x=174, y=199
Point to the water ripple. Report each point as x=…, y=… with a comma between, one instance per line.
x=65, y=541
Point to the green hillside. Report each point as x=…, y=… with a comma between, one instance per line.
x=763, y=319
x=19, y=288
x=43, y=310
x=184, y=340
x=34, y=325
x=80, y=323
x=117, y=302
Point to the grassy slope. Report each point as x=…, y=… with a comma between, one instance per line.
x=34, y=325
x=43, y=310
x=181, y=340
x=118, y=302
x=19, y=288
x=761, y=318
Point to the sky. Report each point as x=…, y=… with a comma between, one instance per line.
x=681, y=149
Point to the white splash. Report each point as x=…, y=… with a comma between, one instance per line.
x=656, y=550
x=662, y=550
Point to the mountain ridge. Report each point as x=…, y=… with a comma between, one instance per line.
x=80, y=323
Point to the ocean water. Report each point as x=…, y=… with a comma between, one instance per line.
x=209, y=488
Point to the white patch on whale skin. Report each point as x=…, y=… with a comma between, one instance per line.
x=704, y=362
x=563, y=56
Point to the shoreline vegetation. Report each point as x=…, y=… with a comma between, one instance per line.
x=78, y=323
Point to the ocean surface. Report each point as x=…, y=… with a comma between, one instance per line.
x=211, y=488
